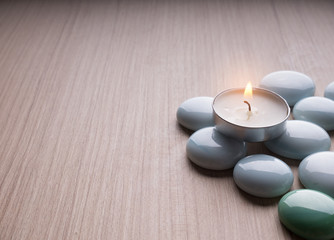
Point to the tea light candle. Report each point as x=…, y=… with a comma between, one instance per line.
x=252, y=115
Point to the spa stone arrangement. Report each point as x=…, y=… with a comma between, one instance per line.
x=223, y=125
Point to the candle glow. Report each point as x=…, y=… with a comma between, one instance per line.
x=248, y=93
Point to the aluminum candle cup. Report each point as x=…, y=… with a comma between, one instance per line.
x=258, y=117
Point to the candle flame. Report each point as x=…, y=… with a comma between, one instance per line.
x=248, y=91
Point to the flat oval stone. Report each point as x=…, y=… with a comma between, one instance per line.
x=318, y=110
x=196, y=113
x=210, y=149
x=317, y=172
x=329, y=91
x=308, y=213
x=292, y=86
x=263, y=176
x=300, y=139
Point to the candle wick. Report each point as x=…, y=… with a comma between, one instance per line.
x=249, y=106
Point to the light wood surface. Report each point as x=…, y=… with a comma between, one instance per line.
x=89, y=143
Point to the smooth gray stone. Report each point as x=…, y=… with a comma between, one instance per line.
x=317, y=172
x=263, y=176
x=210, y=149
x=292, y=86
x=329, y=91
x=196, y=113
x=319, y=110
x=300, y=139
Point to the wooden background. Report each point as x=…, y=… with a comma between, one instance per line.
x=89, y=143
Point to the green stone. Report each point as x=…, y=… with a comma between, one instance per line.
x=308, y=213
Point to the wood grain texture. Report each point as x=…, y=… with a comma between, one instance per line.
x=89, y=143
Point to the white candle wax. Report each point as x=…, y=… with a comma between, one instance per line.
x=267, y=109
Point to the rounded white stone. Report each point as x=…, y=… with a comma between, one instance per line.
x=300, y=139
x=317, y=172
x=292, y=86
x=196, y=113
x=210, y=149
x=263, y=176
x=319, y=110
x=329, y=91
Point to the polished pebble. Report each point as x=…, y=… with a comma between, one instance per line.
x=292, y=86
x=319, y=110
x=329, y=91
x=263, y=176
x=317, y=172
x=308, y=213
x=196, y=113
x=210, y=149
x=300, y=139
